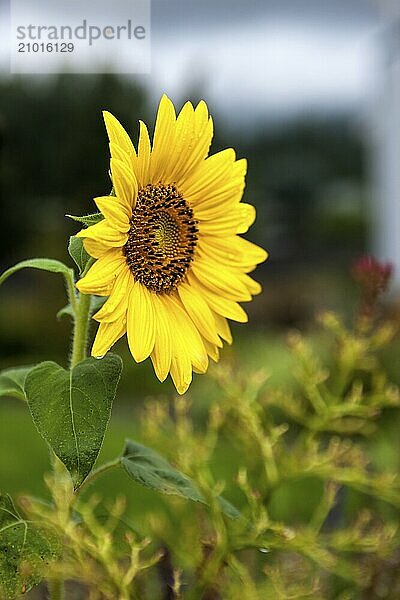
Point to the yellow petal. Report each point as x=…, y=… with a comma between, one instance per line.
x=241, y=281
x=211, y=175
x=106, y=336
x=162, y=354
x=221, y=194
x=117, y=304
x=212, y=351
x=114, y=213
x=221, y=279
x=223, y=328
x=187, y=346
x=163, y=140
x=181, y=373
x=140, y=322
x=119, y=154
x=203, y=137
x=194, y=131
x=125, y=184
x=104, y=233
x=95, y=248
x=247, y=217
x=117, y=134
x=187, y=339
x=232, y=251
x=221, y=208
x=181, y=364
x=223, y=306
x=101, y=276
x=255, y=253
x=253, y=286
x=237, y=220
x=199, y=312
x=184, y=139
x=142, y=167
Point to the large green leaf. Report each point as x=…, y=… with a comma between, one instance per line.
x=26, y=549
x=71, y=409
x=12, y=382
x=44, y=264
x=150, y=469
x=78, y=253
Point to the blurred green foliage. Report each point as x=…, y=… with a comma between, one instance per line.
x=310, y=455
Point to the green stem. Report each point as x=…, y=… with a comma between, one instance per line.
x=113, y=464
x=69, y=280
x=56, y=590
x=81, y=322
x=81, y=329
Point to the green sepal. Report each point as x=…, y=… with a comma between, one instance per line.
x=78, y=253
x=87, y=220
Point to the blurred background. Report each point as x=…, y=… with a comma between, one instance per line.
x=307, y=90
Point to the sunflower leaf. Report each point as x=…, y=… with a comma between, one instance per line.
x=88, y=220
x=145, y=466
x=71, y=409
x=78, y=253
x=44, y=264
x=12, y=382
x=25, y=551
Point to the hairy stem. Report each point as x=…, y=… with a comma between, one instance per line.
x=81, y=329
x=70, y=282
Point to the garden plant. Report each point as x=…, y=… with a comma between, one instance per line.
x=163, y=262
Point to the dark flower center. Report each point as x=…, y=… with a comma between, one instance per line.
x=162, y=238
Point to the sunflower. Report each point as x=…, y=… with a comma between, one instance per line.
x=168, y=254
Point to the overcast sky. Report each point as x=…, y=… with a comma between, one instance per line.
x=261, y=57
x=201, y=14
x=268, y=57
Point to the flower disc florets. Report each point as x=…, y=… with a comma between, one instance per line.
x=162, y=238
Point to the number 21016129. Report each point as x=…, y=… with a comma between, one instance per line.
x=45, y=47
